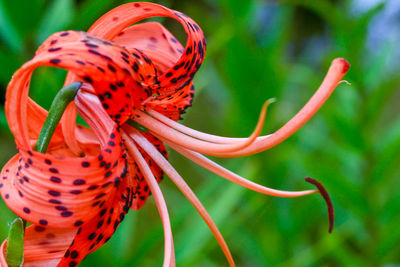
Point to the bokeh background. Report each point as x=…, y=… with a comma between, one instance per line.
x=258, y=50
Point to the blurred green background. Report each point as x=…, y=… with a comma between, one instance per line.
x=258, y=50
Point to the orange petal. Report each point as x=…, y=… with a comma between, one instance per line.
x=154, y=40
x=99, y=229
x=178, y=77
x=61, y=191
x=49, y=189
x=181, y=73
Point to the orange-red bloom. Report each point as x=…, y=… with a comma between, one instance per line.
x=77, y=193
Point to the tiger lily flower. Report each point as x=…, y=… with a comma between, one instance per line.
x=134, y=77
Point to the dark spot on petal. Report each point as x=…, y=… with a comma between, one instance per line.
x=39, y=229
x=111, y=67
x=85, y=164
x=55, y=60
x=91, y=45
x=87, y=79
x=78, y=223
x=92, y=236
x=54, y=49
x=54, y=193
x=74, y=254
x=92, y=187
x=53, y=170
x=102, y=212
x=66, y=213
x=55, y=201
x=79, y=182
x=113, y=87
x=55, y=179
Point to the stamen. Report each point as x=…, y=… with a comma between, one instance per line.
x=183, y=187
x=233, y=177
x=163, y=131
x=197, y=134
x=327, y=199
x=169, y=257
x=336, y=71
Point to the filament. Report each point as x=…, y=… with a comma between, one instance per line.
x=183, y=187
x=169, y=258
x=233, y=177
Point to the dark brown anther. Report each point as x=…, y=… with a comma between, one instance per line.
x=327, y=199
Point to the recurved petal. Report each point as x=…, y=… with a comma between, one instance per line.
x=176, y=72
x=155, y=41
x=107, y=67
x=61, y=191
x=99, y=229
x=175, y=104
x=181, y=73
x=159, y=45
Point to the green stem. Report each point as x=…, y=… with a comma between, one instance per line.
x=15, y=243
x=60, y=102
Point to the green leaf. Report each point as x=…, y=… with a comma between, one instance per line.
x=57, y=17
x=89, y=11
x=6, y=70
x=8, y=31
x=25, y=15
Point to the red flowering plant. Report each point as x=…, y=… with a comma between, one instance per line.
x=132, y=84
